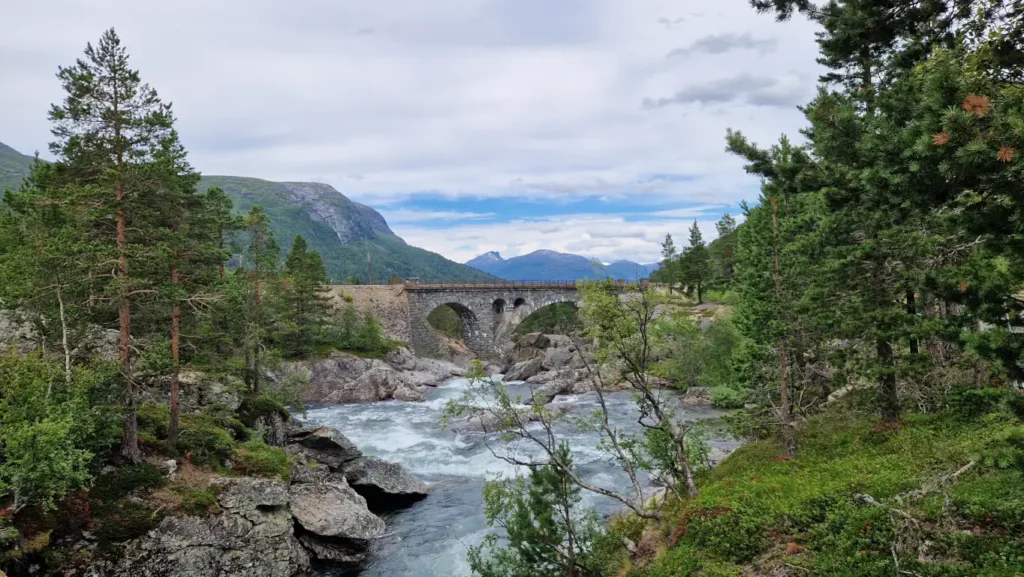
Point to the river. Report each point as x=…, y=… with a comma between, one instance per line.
x=431, y=538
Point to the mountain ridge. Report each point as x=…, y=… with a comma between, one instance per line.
x=343, y=231
x=549, y=265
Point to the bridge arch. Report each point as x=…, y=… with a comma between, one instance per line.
x=476, y=305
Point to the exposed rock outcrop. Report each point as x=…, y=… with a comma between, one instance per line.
x=336, y=524
x=251, y=537
x=322, y=444
x=384, y=485
x=17, y=332
x=345, y=378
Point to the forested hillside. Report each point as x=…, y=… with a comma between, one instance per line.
x=14, y=167
x=342, y=231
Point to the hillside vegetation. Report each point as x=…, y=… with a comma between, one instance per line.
x=342, y=231
x=14, y=167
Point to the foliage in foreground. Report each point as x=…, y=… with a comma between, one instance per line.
x=858, y=500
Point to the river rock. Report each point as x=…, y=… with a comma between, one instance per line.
x=384, y=485
x=345, y=378
x=251, y=537
x=525, y=370
x=407, y=392
x=335, y=511
x=322, y=444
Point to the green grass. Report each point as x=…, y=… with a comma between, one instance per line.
x=755, y=504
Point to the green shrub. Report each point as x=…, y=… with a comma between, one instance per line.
x=727, y=397
x=974, y=403
x=124, y=520
x=198, y=501
x=125, y=479
x=253, y=408
x=154, y=420
x=257, y=458
x=207, y=445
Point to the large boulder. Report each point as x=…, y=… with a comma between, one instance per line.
x=345, y=378
x=251, y=537
x=409, y=393
x=334, y=523
x=322, y=444
x=384, y=485
x=525, y=370
x=334, y=377
x=18, y=333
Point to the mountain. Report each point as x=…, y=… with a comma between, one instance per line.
x=488, y=262
x=14, y=167
x=548, y=265
x=342, y=231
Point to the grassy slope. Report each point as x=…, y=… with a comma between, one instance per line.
x=755, y=505
x=389, y=255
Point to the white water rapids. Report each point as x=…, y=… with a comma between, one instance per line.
x=431, y=537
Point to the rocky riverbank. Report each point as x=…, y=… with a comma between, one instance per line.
x=325, y=513
x=346, y=378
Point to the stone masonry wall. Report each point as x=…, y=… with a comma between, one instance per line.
x=389, y=303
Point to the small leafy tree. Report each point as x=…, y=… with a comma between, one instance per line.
x=546, y=531
x=50, y=430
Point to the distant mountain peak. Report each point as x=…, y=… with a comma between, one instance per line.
x=550, y=265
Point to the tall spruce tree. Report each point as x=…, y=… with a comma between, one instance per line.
x=305, y=302
x=776, y=274
x=110, y=131
x=695, y=265
x=723, y=250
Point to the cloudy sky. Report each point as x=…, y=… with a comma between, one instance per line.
x=584, y=126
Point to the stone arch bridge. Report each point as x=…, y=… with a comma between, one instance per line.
x=489, y=312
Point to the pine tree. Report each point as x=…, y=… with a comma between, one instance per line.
x=110, y=130
x=723, y=250
x=776, y=274
x=669, y=270
x=304, y=299
x=263, y=256
x=695, y=264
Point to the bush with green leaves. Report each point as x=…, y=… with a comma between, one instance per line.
x=547, y=533
x=257, y=458
x=206, y=445
x=50, y=428
x=696, y=357
x=125, y=479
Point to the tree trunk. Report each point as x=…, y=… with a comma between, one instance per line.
x=887, y=399
x=912, y=310
x=130, y=439
x=785, y=396
x=172, y=429
x=256, y=334
x=64, y=341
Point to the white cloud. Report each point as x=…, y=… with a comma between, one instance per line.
x=607, y=238
x=537, y=100
x=403, y=216
x=461, y=97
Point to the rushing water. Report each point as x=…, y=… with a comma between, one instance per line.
x=431, y=538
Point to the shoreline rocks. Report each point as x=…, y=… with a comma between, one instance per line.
x=345, y=378
x=270, y=528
